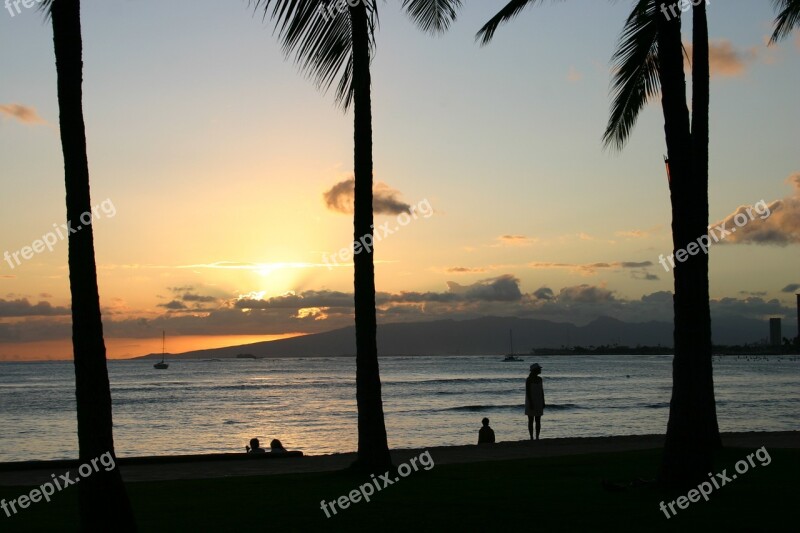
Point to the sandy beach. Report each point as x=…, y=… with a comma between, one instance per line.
x=232, y=465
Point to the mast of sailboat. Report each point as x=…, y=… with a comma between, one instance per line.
x=511, y=342
x=163, y=343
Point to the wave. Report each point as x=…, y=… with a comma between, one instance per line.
x=482, y=408
x=445, y=381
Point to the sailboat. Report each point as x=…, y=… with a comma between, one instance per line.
x=510, y=357
x=162, y=365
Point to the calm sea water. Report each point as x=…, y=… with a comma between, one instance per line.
x=217, y=406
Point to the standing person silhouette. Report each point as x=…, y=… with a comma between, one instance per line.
x=534, y=399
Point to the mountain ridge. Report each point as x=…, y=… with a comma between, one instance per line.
x=478, y=336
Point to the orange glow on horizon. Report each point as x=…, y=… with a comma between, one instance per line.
x=126, y=348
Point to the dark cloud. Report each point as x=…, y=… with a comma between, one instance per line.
x=753, y=293
x=634, y=264
x=188, y=294
x=465, y=270
x=658, y=298
x=385, y=200
x=544, y=293
x=501, y=289
x=752, y=307
x=586, y=294
x=644, y=275
x=305, y=299
x=22, y=308
x=174, y=305
x=189, y=297
x=315, y=311
x=792, y=287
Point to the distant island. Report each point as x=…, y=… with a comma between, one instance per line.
x=746, y=349
x=490, y=336
x=605, y=350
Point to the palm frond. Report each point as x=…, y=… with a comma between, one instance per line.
x=788, y=19
x=318, y=35
x=45, y=7
x=635, y=79
x=433, y=16
x=511, y=10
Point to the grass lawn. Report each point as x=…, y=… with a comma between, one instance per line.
x=542, y=494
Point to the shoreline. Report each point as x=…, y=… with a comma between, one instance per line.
x=547, y=352
x=183, y=467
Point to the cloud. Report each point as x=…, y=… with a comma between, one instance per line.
x=465, y=270
x=315, y=311
x=753, y=293
x=586, y=294
x=639, y=233
x=590, y=269
x=632, y=234
x=174, y=305
x=792, y=287
x=574, y=75
x=644, y=275
x=23, y=308
x=777, y=223
x=725, y=60
x=515, y=240
x=544, y=293
x=501, y=289
x=181, y=296
x=752, y=307
x=23, y=114
x=189, y=297
x=305, y=299
x=385, y=199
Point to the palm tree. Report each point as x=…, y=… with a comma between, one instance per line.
x=649, y=59
x=103, y=500
x=650, y=55
x=329, y=43
x=788, y=18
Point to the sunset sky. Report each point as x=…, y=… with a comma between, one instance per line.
x=211, y=157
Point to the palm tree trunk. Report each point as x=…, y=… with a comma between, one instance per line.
x=687, y=456
x=103, y=500
x=373, y=448
x=704, y=372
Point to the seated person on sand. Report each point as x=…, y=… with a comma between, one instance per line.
x=485, y=434
x=276, y=446
x=255, y=447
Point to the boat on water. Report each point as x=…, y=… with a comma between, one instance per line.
x=161, y=365
x=510, y=357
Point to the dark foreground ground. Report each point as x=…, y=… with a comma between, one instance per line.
x=548, y=493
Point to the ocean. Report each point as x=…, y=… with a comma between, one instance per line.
x=205, y=406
